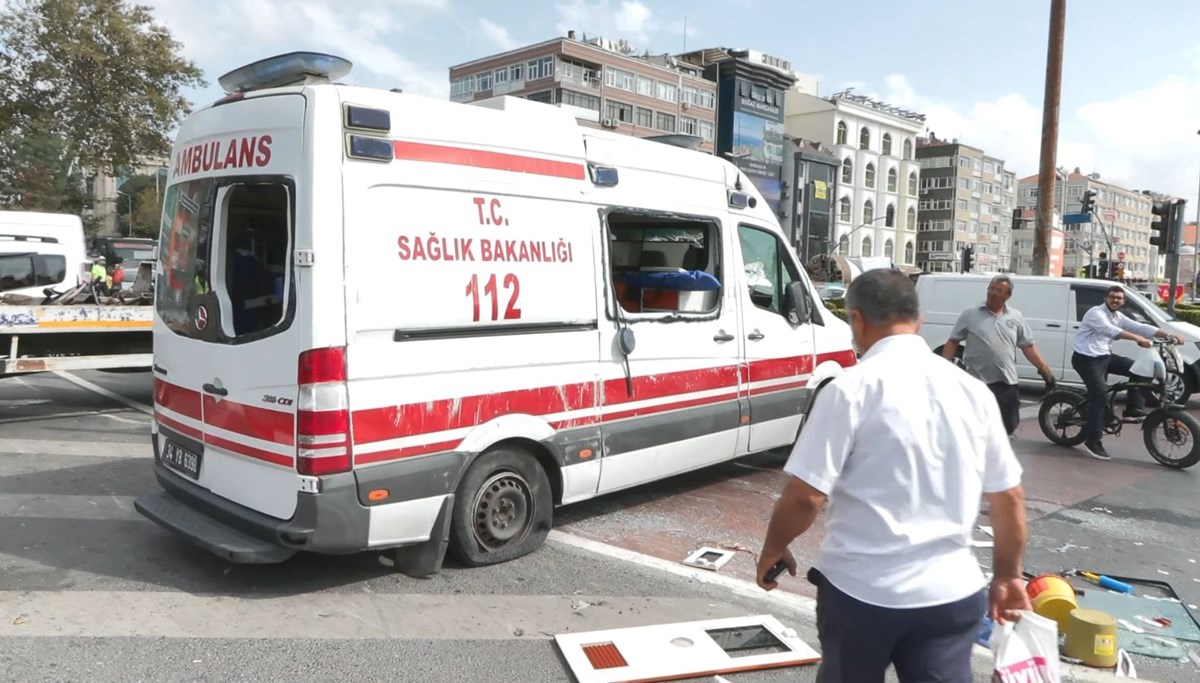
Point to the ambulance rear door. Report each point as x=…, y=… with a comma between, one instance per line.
x=228, y=326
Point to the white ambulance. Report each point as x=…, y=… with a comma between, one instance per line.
x=386, y=321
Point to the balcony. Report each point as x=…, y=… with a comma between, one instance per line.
x=580, y=76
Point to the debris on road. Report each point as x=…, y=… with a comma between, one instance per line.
x=21, y=619
x=709, y=558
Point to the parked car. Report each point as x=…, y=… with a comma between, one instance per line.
x=1053, y=308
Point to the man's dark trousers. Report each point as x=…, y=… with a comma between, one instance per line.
x=1008, y=397
x=925, y=644
x=1094, y=371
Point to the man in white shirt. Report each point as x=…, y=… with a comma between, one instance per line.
x=1094, y=360
x=903, y=446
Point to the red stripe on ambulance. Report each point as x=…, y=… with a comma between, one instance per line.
x=498, y=161
x=177, y=399
x=258, y=423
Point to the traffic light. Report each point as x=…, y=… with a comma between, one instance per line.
x=1162, y=228
x=968, y=258
x=1088, y=202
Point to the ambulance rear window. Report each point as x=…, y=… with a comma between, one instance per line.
x=226, y=259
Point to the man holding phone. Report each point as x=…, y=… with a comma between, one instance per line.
x=903, y=446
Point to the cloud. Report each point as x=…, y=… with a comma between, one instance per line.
x=498, y=35
x=631, y=20
x=228, y=33
x=1142, y=139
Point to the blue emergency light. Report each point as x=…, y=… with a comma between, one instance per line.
x=287, y=69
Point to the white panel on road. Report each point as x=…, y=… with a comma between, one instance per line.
x=59, y=506
x=154, y=614
x=100, y=449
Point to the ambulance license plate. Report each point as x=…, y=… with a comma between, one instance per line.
x=181, y=460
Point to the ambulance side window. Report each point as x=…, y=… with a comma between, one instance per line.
x=182, y=279
x=768, y=270
x=664, y=264
x=252, y=258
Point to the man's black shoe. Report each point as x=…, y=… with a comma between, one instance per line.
x=1134, y=413
x=1096, y=450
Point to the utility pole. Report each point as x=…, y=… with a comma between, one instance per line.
x=1050, y=104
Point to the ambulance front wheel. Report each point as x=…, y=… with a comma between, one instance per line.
x=503, y=509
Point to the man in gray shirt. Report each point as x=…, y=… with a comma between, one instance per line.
x=994, y=332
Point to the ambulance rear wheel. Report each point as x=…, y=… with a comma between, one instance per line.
x=503, y=509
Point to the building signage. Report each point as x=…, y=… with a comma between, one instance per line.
x=749, y=104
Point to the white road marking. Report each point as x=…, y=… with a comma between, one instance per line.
x=99, y=449
x=96, y=388
x=58, y=416
x=118, y=418
x=335, y=616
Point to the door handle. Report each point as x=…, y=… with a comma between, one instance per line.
x=755, y=335
x=214, y=389
x=723, y=336
x=1055, y=325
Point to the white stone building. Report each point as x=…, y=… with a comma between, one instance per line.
x=879, y=174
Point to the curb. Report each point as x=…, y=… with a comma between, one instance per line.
x=806, y=607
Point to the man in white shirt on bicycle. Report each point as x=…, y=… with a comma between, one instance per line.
x=1094, y=360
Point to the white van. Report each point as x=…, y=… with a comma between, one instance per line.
x=388, y=321
x=1053, y=308
x=40, y=251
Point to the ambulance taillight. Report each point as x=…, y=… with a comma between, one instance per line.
x=323, y=419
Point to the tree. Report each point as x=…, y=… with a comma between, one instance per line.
x=146, y=200
x=84, y=85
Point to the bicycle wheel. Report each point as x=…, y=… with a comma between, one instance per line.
x=1172, y=438
x=1061, y=418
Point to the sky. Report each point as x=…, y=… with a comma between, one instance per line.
x=1131, y=77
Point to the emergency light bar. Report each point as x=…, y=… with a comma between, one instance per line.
x=293, y=68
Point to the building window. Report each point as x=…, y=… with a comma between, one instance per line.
x=706, y=130
x=516, y=72
x=961, y=205
x=619, y=111
x=912, y=184
x=619, y=78
x=888, y=248
x=666, y=92
x=578, y=99
x=908, y=150
x=910, y=221
x=546, y=96
x=844, y=246
x=867, y=247
x=864, y=138
x=844, y=210
x=887, y=147
x=688, y=125
x=893, y=180
x=645, y=118
x=868, y=212
x=708, y=100
x=501, y=75
x=539, y=68
x=869, y=176
x=908, y=251
x=645, y=86
x=665, y=122
x=841, y=132
x=483, y=82
x=847, y=171
x=462, y=86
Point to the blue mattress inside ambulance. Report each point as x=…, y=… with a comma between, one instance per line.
x=687, y=281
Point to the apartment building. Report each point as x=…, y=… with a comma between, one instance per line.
x=1023, y=242
x=876, y=209
x=602, y=82
x=1121, y=218
x=966, y=198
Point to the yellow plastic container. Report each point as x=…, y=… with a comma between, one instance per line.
x=1092, y=638
x=1056, y=608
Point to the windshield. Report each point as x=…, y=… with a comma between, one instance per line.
x=128, y=253
x=1148, y=307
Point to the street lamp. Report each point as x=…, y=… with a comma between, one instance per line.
x=856, y=229
x=129, y=220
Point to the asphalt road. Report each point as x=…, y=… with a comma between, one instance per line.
x=90, y=590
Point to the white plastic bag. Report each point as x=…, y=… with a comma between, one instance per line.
x=1026, y=650
x=1147, y=363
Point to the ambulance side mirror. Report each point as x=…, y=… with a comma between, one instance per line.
x=796, y=304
